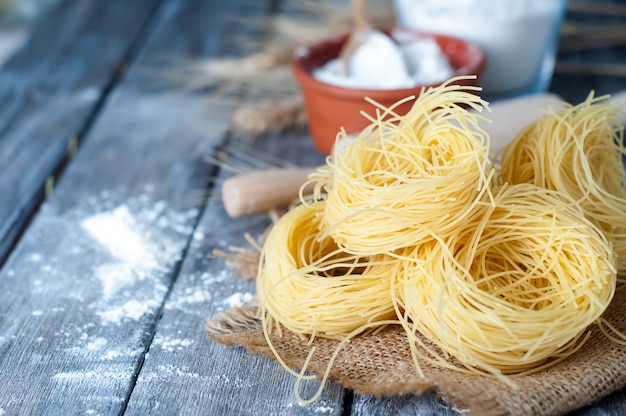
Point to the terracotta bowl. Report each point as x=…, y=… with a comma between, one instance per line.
x=330, y=107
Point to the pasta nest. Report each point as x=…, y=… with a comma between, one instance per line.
x=405, y=178
x=310, y=286
x=578, y=151
x=515, y=289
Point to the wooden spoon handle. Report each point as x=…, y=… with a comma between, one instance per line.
x=261, y=191
x=359, y=10
x=360, y=30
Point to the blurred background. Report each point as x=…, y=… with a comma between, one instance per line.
x=16, y=18
x=591, y=53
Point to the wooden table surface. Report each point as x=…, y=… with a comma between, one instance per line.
x=110, y=212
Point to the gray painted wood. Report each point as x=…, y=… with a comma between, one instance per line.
x=426, y=405
x=187, y=373
x=86, y=328
x=48, y=91
x=612, y=405
x=76, y=313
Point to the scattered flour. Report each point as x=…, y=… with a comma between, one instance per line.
x=163, y=372
x=112, y=354
x=134, y=247
x=210, y=279
x=120, y=234
x=194, y=296
x=322, y=407
x=143, y=240
x=80, y=376
x=191, y=296
x=192, y=299
x=170, y=345
x=238, y=299
x=133, y=309
x=116, y=276
x=171, y=370
x=117, y=230
x=96, y=344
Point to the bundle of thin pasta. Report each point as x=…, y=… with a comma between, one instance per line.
x=311, y=287
x=578, y=151
x=413, y=230
x=404, y=178
x=514, y=291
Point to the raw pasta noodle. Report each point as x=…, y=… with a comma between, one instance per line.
x=311, y=287
x=515, y=291
x=407, y=226
x=405, y=177
x=578, y=151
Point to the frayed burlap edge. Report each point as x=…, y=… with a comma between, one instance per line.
x=381, y=365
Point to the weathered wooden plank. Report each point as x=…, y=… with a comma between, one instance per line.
x=82, y=291
x=612, y=405
x=187, y=373
x=49, y=89
x=184, y=371
x=575, y=77
x=428, y=404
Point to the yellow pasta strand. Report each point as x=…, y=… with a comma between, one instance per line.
x=514, y=290
x=408, y=226
x=311, y=287
x=405, y=177
x=578, y=151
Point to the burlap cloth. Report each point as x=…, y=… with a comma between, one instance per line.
x=381, y=365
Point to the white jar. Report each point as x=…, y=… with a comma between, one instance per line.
x=520, y=37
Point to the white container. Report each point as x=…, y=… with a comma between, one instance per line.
x=520, y=37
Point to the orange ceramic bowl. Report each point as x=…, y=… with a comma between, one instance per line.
x=330, y=107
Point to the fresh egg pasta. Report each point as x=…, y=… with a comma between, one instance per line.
x=514, y=291
x=310, y=286
x=408, y=225
x=578, y=151
x=404, y=178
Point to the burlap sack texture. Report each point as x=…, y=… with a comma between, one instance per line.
x=381, y=365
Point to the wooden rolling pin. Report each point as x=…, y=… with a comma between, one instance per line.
x=261, y=191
